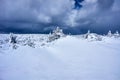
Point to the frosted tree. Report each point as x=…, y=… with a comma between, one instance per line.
x=109, y=33
x=13, y=38
x=87, y=34
x=56, y=34
x=116, y=34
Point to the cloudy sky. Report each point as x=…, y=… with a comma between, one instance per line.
x=74, y=16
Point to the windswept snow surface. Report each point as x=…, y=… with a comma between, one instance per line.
x=68, y=58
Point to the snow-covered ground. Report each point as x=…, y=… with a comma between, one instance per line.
x=68, y=58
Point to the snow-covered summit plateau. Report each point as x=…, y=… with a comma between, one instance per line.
x=59, y=57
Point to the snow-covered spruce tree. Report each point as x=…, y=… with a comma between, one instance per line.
x=13, y=40
x=109, y=33
x=56, y=34
x=87, y=34
x=116, y=34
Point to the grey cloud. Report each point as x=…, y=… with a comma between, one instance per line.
x=37, y=10
x=105, y=4
x=97, y=15
x=16, y=10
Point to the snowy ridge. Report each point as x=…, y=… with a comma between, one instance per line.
x=39, y=40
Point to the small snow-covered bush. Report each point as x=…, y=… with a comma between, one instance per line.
x=92, y=36
x=30, y=42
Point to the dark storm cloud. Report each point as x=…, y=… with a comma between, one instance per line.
x=43, y=15
x=32, y=12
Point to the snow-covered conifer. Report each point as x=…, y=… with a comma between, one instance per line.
x=109, y=33
x=116, y=34
x=87, y=34
x=56, y=34
x=13, y=41
x=13, y=38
